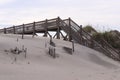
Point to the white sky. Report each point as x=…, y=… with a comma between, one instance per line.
x=103, y=14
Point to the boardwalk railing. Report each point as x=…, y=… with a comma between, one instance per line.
x=86, y=39
x=73, y=30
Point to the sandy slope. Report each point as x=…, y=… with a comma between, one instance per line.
x=84, y=64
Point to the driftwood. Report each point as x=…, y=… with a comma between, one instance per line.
x=68, y=50
x=51, y=48
x=52, y=51
x=15, y=51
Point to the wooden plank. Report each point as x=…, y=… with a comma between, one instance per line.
x=58, y=28
x=70, y=36
x=45, y=27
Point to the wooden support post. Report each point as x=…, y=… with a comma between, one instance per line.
x=33, y=29
x=73, y=46
x=46, y=31
x=49, y=34
x=54, y=54
x=23, y=31
x=14, y=30
x=5, y=31
x=66, y=37
x=81, y=40
x=58, y=28
x=51, y=40
x=58, y=33
x=70, y=34
x=25, y=52
x=62, y=35
x=54, y=35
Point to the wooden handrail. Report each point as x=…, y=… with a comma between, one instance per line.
x=115, y=54
x=75, y=29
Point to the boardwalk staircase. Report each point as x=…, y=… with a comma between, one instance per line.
x=74, y=32
x=82, y=37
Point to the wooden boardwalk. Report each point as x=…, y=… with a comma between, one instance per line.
x=73, y=32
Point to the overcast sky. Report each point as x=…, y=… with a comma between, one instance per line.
x=103, y=14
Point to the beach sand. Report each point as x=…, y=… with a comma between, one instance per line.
x=83, y=64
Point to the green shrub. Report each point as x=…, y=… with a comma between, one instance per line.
x=89, y=28
x=110, y=36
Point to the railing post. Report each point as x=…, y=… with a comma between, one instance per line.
x=70, y=35
x=14, y=30
x=5, y=31
x=46, y=31
x=58, y=28
x=81, y=34
x=23, y=31
x=34, y=29
x=73, y=48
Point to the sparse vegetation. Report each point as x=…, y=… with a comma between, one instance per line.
x=97, y=37
x=110, y=36
x=89, y=28
x=17, y=51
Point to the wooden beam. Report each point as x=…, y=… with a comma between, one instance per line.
x=58, y=28
x=70, y=34
x=5, y=31
x=66, y=37
x=54, y=35
x=34, y=29
x=23, y=31
x=73, y=48
x=62, y=35
x=49, y=34
x=81, y=39
x=14, y=32
x=46, y=31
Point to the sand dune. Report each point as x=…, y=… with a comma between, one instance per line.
x=84, y=64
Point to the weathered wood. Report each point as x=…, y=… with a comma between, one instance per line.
x=4, y=30
x=70, y=34
x=58, y=28
x=23, y=31
x=52, y=52
x=66, y=37
x=49, y=34
x=52, y=48
x=81, y=34
x=14, y=32
x=45, y=27
x=73, y=48
x=34, y=29
x=73, y=30
x=55, y=35
x=25, y=52
x=62, y=35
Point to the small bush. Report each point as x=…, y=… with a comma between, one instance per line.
x=89, y=28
